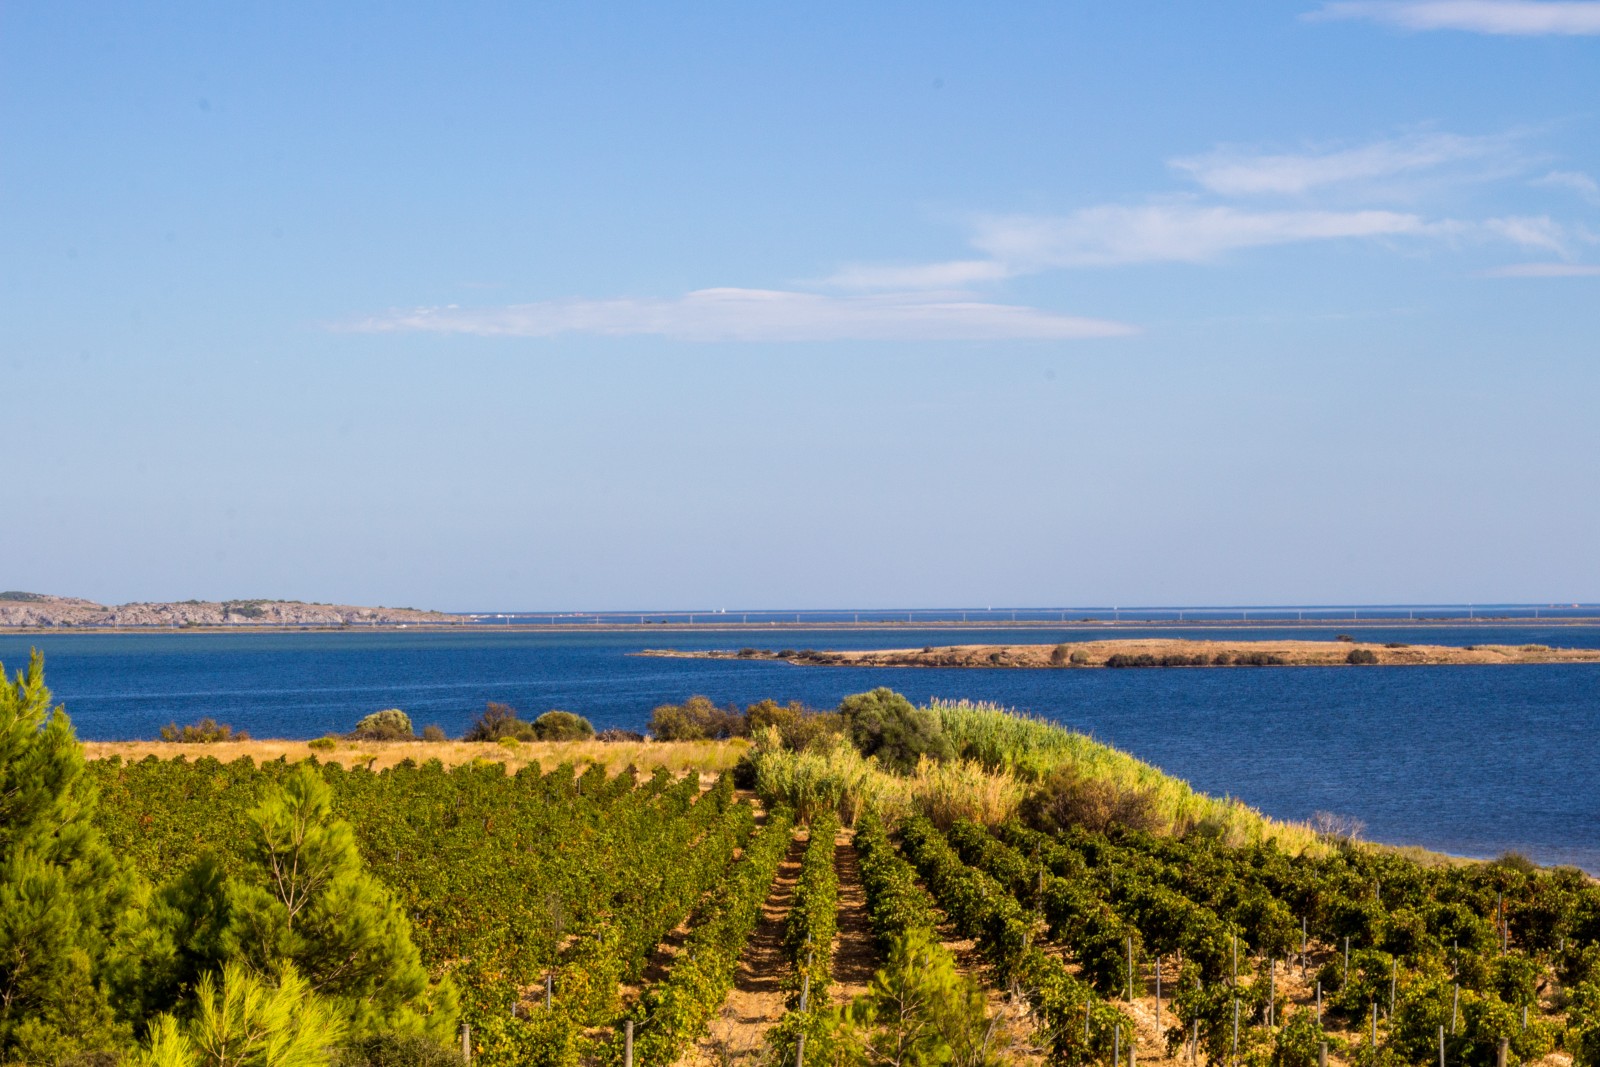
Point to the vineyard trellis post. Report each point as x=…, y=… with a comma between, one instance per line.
x=1500, y=1053
x=1322, y=1054
x=1374, y=1027
x=1130, y=968
x=1194, y=1043
x=1455, y=1009
x=1272, y=991
x=1346, y=958
x=1441, y=1045
x=466, y=1042
x=1235, y=1029
x=800, y=1050
x=627, y=1043
x=1158, y=994
x=549, y=988
x=1116, y=1045
x=1394, y=971
x=1319, y=1002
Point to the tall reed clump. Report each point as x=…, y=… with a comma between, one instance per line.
x=948, y=792
x=836, y=778
x=1005, y=742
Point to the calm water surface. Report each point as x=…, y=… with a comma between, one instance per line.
x=1469, y=760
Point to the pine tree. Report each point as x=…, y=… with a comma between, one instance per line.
x=307, y=899
x=63, y=896
x=249, y=1021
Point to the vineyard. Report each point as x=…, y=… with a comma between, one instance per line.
x=573, y=916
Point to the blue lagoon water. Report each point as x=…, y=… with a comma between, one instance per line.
x=1468, y=760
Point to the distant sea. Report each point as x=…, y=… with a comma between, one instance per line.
x=1468, y=760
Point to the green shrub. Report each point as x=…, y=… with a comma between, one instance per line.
x=1298, y=1043
x=499, y=721
x=1361, y=656
x=885, y=724
x=398, y=1050
x=205, y=732
x=390, y=724
x=799, y=727
x=433, y=733
x=323, y=744
x=562, y=726
x=696, y=719
x=1068, y=797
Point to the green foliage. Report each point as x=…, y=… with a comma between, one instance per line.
x=799, y=728
x=885, y=725
x=895, y=902
x=1583, y=1021
x=304, y=897
x=676, y=1011
x=1068, y=797
x=390, y=724
x=1361, y=656
x=498, y=722
x=562, y=726
x=919, y=1011
x=981, y=908
x=696, y=719
x=205, y=732
x=813, y=916
x=433, y=733
x=247, y=1020
x=64, y=898
x=323, y=744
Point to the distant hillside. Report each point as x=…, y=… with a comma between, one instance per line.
x=39, y=610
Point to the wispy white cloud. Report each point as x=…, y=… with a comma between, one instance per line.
x=1539, y=231
x=1546, y=270
x=1575, y=180
x=956, y=274
x=756, y=315
x=1512, y=18
x=1234, y=171
x=1113, y=235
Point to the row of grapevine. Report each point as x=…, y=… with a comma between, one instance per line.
x=1078, y=1023
x=1416, y=962
x=896, y=904
x=496, y=872
x=676, y=1011
x=813, y=917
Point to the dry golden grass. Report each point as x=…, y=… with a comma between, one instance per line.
x=707, y=757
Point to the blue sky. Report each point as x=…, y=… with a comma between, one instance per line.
x=609, y=306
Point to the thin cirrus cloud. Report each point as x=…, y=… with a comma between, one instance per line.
x=1546, y=270
x=1232, y=171
x=756, y=315
x=1573, y=180
x=1115, y=235
x=1228, y=214
x=1509, y=18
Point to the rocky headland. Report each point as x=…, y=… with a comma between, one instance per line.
x=32, y=611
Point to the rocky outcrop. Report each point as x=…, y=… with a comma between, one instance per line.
x=40, y=611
